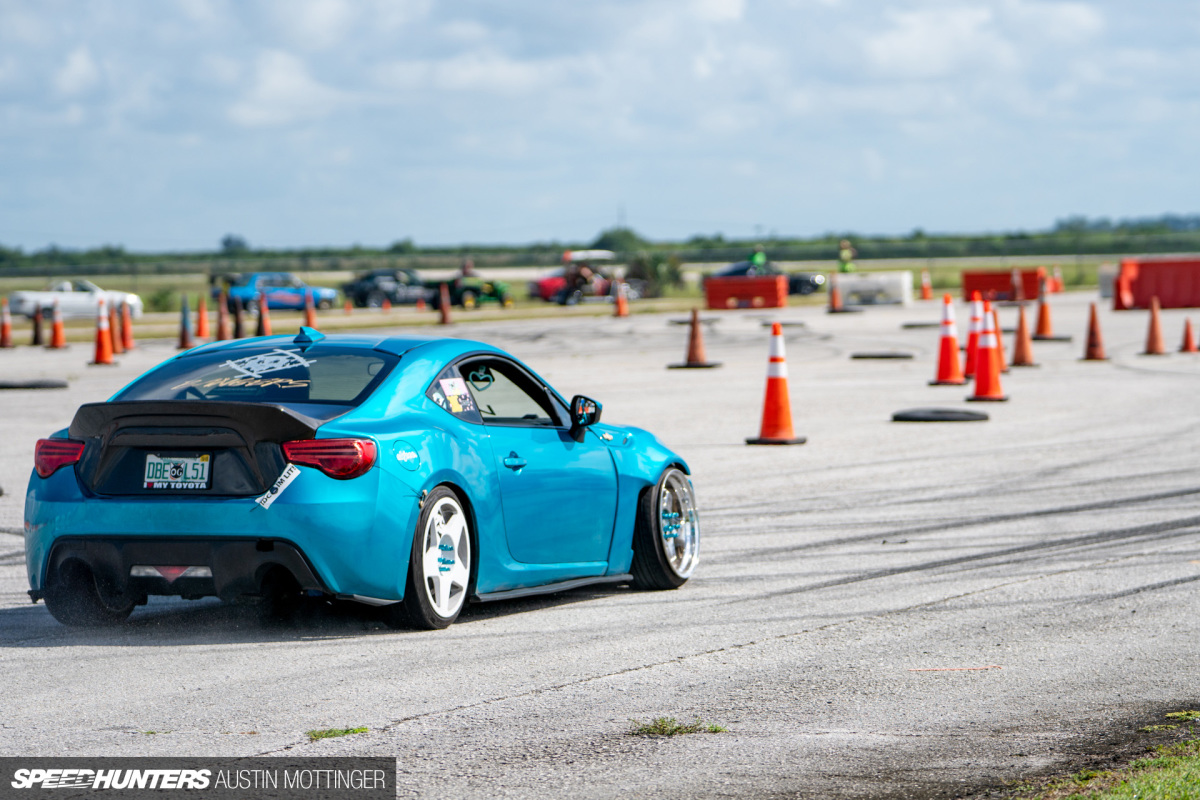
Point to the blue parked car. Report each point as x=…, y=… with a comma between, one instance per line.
x=282, y=290
x=412, y=473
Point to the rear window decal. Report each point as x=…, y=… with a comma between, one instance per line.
x=258, y=365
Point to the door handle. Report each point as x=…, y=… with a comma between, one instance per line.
x=514, y=462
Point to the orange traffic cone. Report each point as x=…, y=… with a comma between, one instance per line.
x=222, y=316
x=621, y=304
x=1023, y=343
x=444, y=304
x=126, y=328
x=1095, y=344
x=926, y=285
x=5, y=325
x=386, y=305
x=1058, y=279
x=999, y=338
x=835, y=294
x=36, y=339
x=987, y=357
x=1154, y=339
x=949, y=371
x=1045, y=328
x=185, y=326
x=1189, y=338
x=348, y=308
x=202, y=318
x=114, y=330
x=696, y=358
x=264, y=317
x=973, y=333
x=310, y=310
x=420, y=304
x=777, y=408
x=239, y=319
x=104, y=353
x=58, y=335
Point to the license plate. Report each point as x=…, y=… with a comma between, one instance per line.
x=177, y=472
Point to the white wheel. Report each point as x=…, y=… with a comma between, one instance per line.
x=440, y=568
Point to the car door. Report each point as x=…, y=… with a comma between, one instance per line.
x=559, y=495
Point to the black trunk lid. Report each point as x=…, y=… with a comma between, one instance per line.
x=239, y=443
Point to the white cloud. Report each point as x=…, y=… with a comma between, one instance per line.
x=78, y=74
x=282, y=93
x=933, y=43
x=720, y=10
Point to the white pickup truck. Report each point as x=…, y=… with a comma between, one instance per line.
x=77, y=298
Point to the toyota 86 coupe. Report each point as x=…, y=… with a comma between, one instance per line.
x=416, y=474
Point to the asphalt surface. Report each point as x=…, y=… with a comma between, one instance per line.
x=850, y=594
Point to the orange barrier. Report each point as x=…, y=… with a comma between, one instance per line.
x=104, y=354
x=126, y=328
x=1094, y=350
x=987, y=375
x=1174, y=281
x=995, y=285
x=1023, y=344
x=58, y=334
x=761, y=291
x=5, y=324
x=1154, y=338
x=1189, y=338
x=777, y=407
x=949, y=371
x=696, y=357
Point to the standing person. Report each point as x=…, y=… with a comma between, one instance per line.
x=846, y=254
x=758, y=259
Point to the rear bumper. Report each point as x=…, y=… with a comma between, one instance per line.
x=236, y=566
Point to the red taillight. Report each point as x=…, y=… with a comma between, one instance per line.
x=338, y=458
x=50, y=454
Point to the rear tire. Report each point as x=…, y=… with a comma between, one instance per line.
x=666, y=535
x=75, y=597
x=439, y=569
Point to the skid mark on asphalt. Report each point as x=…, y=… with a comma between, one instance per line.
x=953, y=524
x=683, y=659
x=1161, y=530
x=1148, y=588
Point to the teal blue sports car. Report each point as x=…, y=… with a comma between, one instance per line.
x=412, y=473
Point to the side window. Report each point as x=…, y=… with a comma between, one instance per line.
x=507, y=395
x=450, y=392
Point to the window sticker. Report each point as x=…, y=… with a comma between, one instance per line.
x=258, y=365
x=455, y=390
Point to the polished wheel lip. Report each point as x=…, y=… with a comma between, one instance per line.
x=445, y=558
x=678, y=523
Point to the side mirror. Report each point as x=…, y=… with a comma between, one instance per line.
x=584, y=412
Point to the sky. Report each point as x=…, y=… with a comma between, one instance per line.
x=167, y=124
